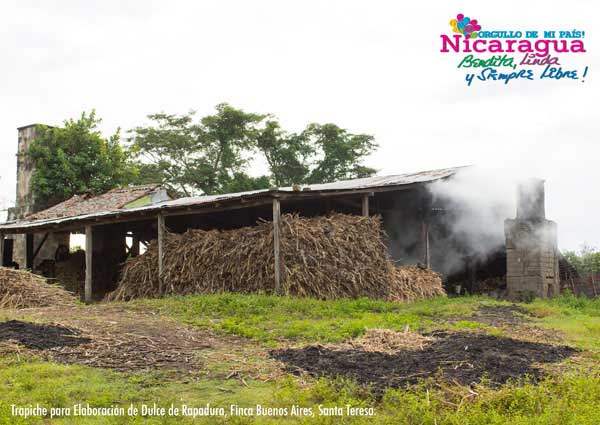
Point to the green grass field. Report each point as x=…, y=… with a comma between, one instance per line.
x=569, y=395
x=270, y=319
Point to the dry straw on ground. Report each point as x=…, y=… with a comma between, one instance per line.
x=338, y=256
x=21, y=289
x=388, y=341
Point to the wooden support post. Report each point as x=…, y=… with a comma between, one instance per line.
x=1, y=249
x=29, y=251
x=135, y=245
x=425, y=243
x=276, y=248
x=427, y=249
x=472, y=274
x=365, y=204
x=161, y=252
x=88, y=264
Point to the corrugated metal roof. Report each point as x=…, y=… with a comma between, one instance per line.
x=339, y=186
x=381, y=181
x=342, y=185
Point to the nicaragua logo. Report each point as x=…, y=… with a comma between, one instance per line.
x=465, y=25
x=491, y=53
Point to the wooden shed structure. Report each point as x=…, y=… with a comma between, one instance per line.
x=403, y=200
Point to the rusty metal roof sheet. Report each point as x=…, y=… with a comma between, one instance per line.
x=88, y=204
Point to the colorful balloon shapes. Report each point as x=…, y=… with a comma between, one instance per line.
x=465, y=25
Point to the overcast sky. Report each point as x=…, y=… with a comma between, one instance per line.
x=370, y=66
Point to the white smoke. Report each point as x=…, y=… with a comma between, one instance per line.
x=475, y=203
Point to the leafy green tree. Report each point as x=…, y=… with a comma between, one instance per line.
x=586, y=261
x=212, y=155
x=194, y=157
x=242, y=182
x=76, y=159
x=319, y=154
x=338, y=153
x=288, y=155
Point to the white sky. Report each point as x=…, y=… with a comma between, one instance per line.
x=369, y=66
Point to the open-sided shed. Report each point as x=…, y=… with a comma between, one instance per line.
x=402, y=200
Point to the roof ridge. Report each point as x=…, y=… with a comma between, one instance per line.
x=134, y=187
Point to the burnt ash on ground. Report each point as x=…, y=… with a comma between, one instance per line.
x=39, y=336
x=462, y=357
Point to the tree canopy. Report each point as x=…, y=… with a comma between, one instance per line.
x=586, y=261
x=212, y=155
x=205, y=156
x=76, y=159
x=192, y=156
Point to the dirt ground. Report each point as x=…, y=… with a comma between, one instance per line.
x=500, y=316
x=111, y=336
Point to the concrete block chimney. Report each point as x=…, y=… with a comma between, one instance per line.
x=531, y=246
x=25, y=205
x=24, y=201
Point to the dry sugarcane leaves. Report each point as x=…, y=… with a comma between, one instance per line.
x=22, y=289
x=336, y=256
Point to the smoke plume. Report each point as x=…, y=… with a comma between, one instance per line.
x=473, y=206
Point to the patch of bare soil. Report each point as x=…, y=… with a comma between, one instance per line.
x=537, y=334
x=132, y=340
x=111, y=337
x=461, y=357
x=511, y=315
x=514, y=321
x=130, y=352
x=171, y=352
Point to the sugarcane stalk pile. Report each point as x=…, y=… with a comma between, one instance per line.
x=412, y=283
x=71, y=273
x=22, y=289
x=337, y=256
